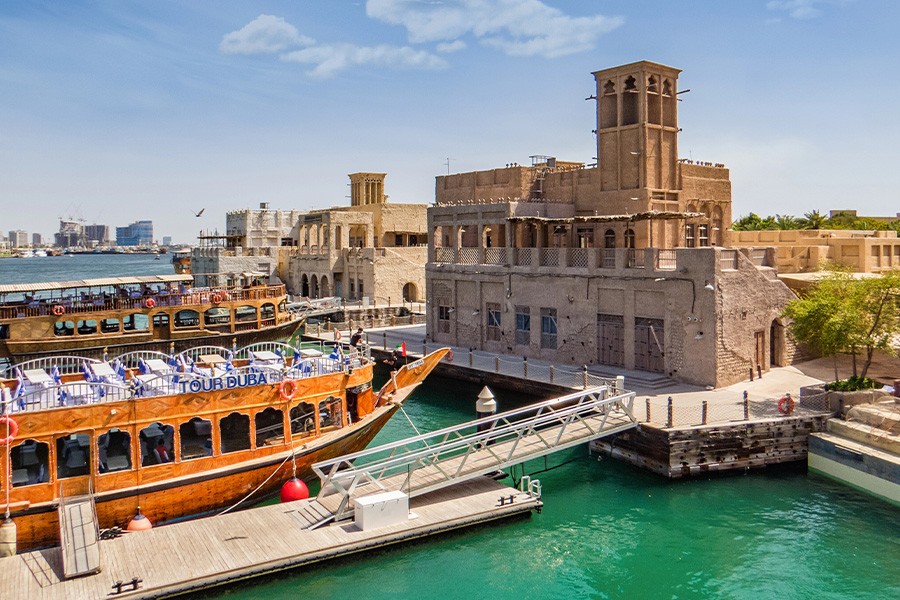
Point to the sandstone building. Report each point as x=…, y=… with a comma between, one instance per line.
x=371, y=249
x=619, y=263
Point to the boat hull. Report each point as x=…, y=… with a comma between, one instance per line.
x=206, y=492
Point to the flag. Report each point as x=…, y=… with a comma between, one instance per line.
x=403, y=349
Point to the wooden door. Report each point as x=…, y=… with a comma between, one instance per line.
x=649, y=348
x=611, y=340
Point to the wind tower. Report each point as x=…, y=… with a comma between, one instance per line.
x=637, y=139
x=367, y=188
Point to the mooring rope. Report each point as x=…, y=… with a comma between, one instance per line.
x=265, y=481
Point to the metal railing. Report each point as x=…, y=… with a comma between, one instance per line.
x=431, y=461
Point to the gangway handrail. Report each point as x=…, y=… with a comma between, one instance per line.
x=539, y=428
x=531, y=408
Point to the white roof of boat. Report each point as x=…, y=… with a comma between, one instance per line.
x=13, y=288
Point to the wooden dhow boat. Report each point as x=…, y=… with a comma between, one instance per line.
x=162, y=313
x=171, y=437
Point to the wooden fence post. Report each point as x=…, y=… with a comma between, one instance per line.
x=584, y=377
x=746, y=406
x=669, y=417
x=648, y=410
x=705, y=411
x=525, y=367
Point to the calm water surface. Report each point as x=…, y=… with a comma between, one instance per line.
x=607, y=529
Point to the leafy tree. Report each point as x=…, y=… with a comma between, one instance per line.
x=843, y=314
x=753, y=222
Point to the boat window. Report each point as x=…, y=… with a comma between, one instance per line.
x=160, y=320
x=267, y=311
x=73, y=455
x=87, y=327
x=187, y=318
x=109, y=325
x=282, y=307
x=234, y=432
x=269, y=427
x=157, y=444
x=196, y=438
x=217, y=316
x=330, y=412
x=114, y=450
x=30, y=463
x=136, y=322
x=4, y=332
x=245, y=313
x=63, y=328
x=303, y=419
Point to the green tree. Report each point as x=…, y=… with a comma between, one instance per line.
x=753, y=222
x=844, y=314
x=813, y=220
x=787, y=222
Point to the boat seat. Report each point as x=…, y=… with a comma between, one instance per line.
x=28, y=454
x=19, y=477
x=117, y=463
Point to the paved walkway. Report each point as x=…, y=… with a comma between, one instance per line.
x=723, y=404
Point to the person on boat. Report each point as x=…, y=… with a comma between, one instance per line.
x=161, y=452
x=393, y=360
x=356, y=337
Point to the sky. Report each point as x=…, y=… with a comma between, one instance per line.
x=118, y=111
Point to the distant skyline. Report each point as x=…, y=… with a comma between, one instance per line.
x=119, y=111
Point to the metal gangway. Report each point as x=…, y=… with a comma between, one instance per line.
x=431, y=461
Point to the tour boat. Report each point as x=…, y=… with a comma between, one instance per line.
x=168, y=437
x=163, y=313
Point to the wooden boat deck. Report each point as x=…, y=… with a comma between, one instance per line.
x=207, y=552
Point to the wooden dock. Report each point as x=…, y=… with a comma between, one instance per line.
x=203, y=553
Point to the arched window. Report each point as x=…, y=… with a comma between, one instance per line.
x=330, y=412
x=303, y=419
x=269, y=426
x=73, y=455
x=243, y=314
x=196, y=438
x=609, y=239
x=217, y=315
x=114, y=451
x=187, y=318
x=30, y=462
x=234, y=433
x=157, y=444
x=267, y=311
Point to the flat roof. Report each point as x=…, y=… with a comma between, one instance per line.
x=13, y=288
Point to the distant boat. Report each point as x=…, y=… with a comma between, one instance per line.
x=162, y=313
x=40, y=253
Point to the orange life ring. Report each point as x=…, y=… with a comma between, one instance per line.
x=13, y=429
x=287, y=389
x=337, y=335
x=450, y=356
x=149, y=302
x=59, y=310
x=786, y=405
x=216, y=298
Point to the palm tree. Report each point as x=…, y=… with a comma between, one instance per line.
x=814, y=220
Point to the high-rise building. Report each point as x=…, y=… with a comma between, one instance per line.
x=96, y=234
x=167, y=240
x=36, y=240
x=71, y=233
x=18, y=238
x=139, y=233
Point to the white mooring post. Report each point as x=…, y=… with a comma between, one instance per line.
x=485, y=406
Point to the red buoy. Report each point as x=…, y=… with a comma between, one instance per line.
x=294, y=489
x=139, y=522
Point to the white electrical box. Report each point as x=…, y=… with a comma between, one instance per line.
x=381, y=510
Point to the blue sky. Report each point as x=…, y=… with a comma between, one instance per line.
x=114, y=111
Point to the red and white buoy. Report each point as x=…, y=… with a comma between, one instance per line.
x=139, y=522
x=294, y=489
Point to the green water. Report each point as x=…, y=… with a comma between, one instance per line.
x=609, y=530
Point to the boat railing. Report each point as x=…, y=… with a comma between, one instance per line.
x=63, y=395
x=134, y=358
x=136, y=300
x=67, y=364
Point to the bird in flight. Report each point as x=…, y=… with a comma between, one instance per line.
x=200, y=213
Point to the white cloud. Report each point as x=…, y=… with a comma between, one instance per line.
x=266, y=34
x=329, y=59
x=516, y=27
x=448, y=47
x=802, y=9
